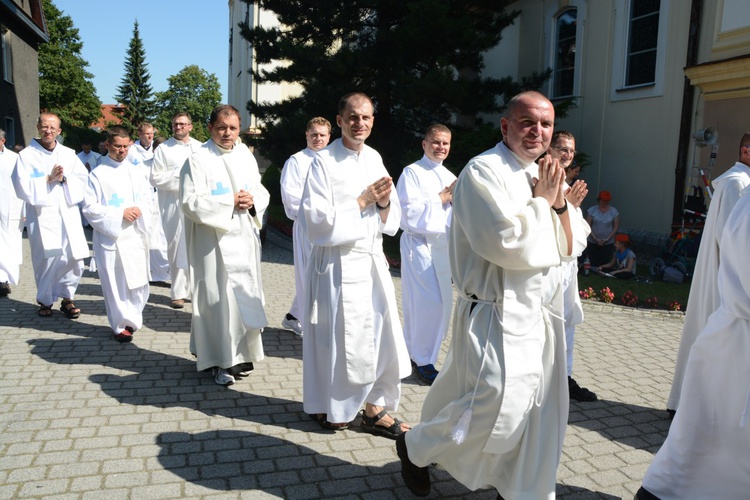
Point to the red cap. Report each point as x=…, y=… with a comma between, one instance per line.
x=605, y=195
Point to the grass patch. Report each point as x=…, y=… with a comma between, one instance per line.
x=663, y=291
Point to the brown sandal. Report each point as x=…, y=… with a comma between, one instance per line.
x=44, y=311
x=69, y=309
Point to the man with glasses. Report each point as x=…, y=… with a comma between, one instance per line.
x=51, y=179
x=704, y=289
x=563, y=148
x=165, y=176
x=118, y=207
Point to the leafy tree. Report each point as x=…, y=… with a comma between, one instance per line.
x=65, y=87
x=421, y=62
x=134, y=91
x=193, y=90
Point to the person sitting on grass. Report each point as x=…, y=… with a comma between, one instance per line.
x=622, y=265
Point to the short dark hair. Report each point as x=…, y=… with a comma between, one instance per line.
x=117, y=131
x=353, y=96
x=223, y=110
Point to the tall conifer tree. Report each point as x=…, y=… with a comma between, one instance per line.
x=134, y=91
x=421, y=61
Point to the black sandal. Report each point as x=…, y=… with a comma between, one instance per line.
x=44, y=311
x=322, y=420
x=69, y=309
x=391, y=432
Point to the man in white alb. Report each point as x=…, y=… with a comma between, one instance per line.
x=293, y=176
x=89, y=158
x=425, y=192
x=117, y=204
x=704, y=288
x=51, y=179
x=353, y=350
x=169, y=159
x=11, y=221
x=223, y=201
x=141, y=154
x=497, y=413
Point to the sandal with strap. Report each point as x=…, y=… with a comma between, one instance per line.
x=44, y=311
x=322, y=420
x=391, y=432
x=69, y=309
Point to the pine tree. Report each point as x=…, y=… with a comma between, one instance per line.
x=421, y=62
x=65, y=87
x=134, y=91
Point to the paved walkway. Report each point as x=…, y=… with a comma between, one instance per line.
x=82, y=416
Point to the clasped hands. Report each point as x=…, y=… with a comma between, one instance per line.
x=243, y=200
x=56, y=175
x=130, y=214
x=446, y=195
x=550, y=185
x=378, y=192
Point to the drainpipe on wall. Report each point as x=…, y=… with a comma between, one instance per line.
x=686, y=117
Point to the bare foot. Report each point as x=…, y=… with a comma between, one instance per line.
x=386, y=421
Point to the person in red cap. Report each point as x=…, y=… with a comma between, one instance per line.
x=604, y=220
x=622, y=265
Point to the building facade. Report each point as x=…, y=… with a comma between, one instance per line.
x=22, y=29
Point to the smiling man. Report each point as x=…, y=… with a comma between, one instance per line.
x=117, y=204
x=353, y=349
x=496, y=415
x=51, y=179
x=223, y=202
x=425, y=192
x=293, y=177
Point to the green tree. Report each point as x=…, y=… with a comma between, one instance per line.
x=65, y=87
x=193, y=90
x=134, y=91
x=421, y=61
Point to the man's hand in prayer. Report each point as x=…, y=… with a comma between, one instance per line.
x=549, y=185
x=243, y=200
x=56, y=175
x=446, y=195
x=577, y=193
x=130, y=214
x=378, y=192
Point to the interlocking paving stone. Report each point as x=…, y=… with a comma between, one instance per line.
x=82, y=416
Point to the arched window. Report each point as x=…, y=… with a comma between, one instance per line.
x=564, y=69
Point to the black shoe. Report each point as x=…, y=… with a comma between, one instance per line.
x=4, y=289
x=579, y=393
x=428, y=373
x=417, y=479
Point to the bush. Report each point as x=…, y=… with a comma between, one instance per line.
x=629, y=299
x=607, y=295
x=272, y=181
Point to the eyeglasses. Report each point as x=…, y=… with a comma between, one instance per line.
x=181, y=124
x=567, y=151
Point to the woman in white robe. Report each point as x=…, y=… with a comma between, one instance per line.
x=707, y=451
x=223, y=246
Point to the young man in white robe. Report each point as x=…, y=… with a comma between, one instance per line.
x=169, y=158
x=353, y=349
x=223, y=201
x=117, y=204
x=51, y=179
x=293, y=176
x=497, y=413
x=563, y=148
x=89, y=158
x=11, y=221
x=707, y=451
x=704, y=290
x=425, y=193
x=141, y=154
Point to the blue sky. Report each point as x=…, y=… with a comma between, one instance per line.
x=175, y=33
